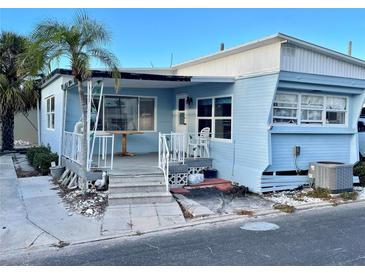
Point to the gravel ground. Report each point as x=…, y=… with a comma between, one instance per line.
x=292, y=198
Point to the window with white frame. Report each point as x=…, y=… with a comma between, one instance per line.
x=215, y=113
x=285, y=109
x=50, y=113
x=312, y=107
x=129, y=113
x=290, y=108
x=336, y=108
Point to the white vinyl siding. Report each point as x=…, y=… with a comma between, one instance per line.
x=298, y=59
x=309, y=109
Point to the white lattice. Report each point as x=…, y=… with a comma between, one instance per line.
x=178, y=179
x=196, y=170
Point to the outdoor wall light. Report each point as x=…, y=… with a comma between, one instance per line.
x=189, y=101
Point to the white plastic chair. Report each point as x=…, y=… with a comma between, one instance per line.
x=200, y=147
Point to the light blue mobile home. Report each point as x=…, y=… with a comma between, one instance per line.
x=262, y=101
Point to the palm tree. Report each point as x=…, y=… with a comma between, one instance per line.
x=79, y=43
x=18, y=91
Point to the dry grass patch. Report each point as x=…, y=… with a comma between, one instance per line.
x=185, y=211
x=284, y=208
x=320, y=193
x=347, y=196
x=245, y=212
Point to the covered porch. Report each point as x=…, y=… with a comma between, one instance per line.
x=140, y=118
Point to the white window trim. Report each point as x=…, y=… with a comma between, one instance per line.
x=299, y=111
x=138, y=96
x=49, y=113
x=282, y=117
x=213, y=118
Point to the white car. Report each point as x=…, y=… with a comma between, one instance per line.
x=361, y=129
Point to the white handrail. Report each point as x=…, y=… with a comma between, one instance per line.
x=164, y=157
x=72, y=146
x=171, y=148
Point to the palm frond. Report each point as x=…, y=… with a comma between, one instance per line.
x=108, y=59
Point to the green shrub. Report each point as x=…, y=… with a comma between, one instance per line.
x=42, y=161
x=31, y=152
x=359, y=170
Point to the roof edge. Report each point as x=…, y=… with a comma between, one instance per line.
x=267, y=40
x=109, y=74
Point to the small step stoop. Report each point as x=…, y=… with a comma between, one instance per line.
x=138, y=189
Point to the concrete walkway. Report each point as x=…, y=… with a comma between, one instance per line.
x=16, y=230
x=32, y=214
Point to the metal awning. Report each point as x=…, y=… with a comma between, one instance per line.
x=141, y=80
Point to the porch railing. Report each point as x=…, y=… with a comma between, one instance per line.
x=104, y=157
x=164, y=157
x=177, y=146
x=72, y=143
x=171, y=149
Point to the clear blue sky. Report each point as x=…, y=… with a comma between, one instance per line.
x=142, y=36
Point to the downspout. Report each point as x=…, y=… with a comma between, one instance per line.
x=64, y=108
x=39, y=141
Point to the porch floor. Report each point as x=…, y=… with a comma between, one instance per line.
x=136, y=165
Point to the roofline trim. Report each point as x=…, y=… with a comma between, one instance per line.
x=278, y=37
x=124, y=75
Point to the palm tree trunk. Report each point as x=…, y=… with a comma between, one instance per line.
x=84, y=144
x=7, y=130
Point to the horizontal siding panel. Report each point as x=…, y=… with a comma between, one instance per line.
x=277, y=183
x=313, y=148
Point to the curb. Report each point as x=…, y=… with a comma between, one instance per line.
x=191, y=223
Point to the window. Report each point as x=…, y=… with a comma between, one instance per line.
x=147, y=114
x=129, y=113
x=50, y=104
x=285, y=108
x=216, y=113
x=335, y=110
x=309, y=109
x=181, y=111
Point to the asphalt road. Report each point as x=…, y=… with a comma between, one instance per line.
x=327, y=236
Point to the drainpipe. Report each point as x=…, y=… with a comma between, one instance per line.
x=38, y=123
x=64, y=106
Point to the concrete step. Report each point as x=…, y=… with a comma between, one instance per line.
x=137, y=187
x=139, y=198
x=137, y=178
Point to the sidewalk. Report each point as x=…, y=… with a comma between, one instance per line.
x=32, y=214
x=16, y=230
